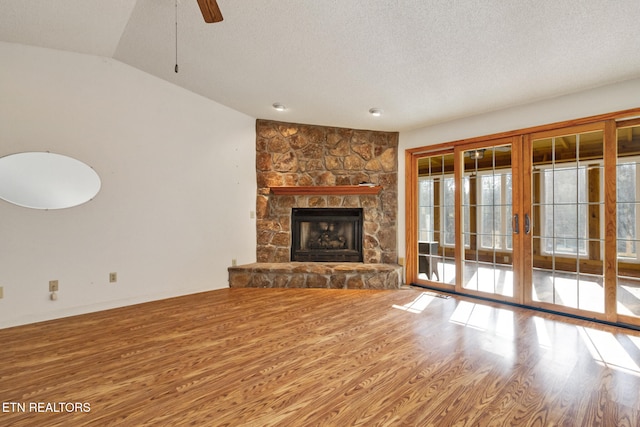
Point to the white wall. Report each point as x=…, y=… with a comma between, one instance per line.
x=606, y=99
x=178, y=186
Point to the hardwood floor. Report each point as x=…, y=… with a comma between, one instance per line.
x=319, y=357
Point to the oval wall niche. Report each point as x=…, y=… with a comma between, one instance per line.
x=43, y=180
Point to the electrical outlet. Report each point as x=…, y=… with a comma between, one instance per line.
x=113, y=277
x=401, y=261
x=234, y=262
x=53, y=286
x=1, y=292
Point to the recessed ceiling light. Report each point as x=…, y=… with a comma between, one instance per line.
x=376, y=112
x=279, y=107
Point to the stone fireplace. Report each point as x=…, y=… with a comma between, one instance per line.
x=320, y=168
x=303, y=156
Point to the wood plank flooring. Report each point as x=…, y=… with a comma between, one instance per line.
x=319, y=357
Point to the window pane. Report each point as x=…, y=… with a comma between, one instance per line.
x=486, y=225
x=494, y=210
x=626, y=182
x=497, y=227
x=497, y=190
x=425, y=214
x=491, y=211
x=509, y=235
x=486, y=190
x=565, y=185
x=508, y=211
x=565, y=210
x=466, y=211
x=449, y=211
x=627, y=223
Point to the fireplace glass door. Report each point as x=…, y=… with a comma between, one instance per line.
x=326, y=234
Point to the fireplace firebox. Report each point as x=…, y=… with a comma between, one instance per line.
x=326, y=234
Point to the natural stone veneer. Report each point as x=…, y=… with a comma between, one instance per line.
x=305, y=155
x=316, y=275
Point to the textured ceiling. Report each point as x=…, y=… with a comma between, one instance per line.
x=329, y=61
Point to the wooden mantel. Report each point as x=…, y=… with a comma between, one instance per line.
x=316, y=190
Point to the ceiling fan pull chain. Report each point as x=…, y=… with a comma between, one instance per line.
x=176, y=12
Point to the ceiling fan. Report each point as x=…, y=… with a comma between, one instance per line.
x=210, y=11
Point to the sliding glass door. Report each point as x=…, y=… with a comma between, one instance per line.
x=487, y=243
x=567, y=221
x=465, y=216
x=547, y=219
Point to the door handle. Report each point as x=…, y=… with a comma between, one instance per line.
x=527, y=224
x=516, y=224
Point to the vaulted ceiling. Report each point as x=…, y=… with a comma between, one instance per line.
x=329, y=61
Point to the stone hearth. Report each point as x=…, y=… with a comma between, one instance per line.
x=316, y=275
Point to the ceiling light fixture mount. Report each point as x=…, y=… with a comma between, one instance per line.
x=375, y=112
x=477, y=154
x=278, y=106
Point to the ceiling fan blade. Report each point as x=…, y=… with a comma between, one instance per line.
x=210, y=11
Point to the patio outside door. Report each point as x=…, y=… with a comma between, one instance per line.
x=491, y=221
x=548, y=219
x=567, y=205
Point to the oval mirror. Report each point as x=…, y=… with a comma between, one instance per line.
x=42, y=180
